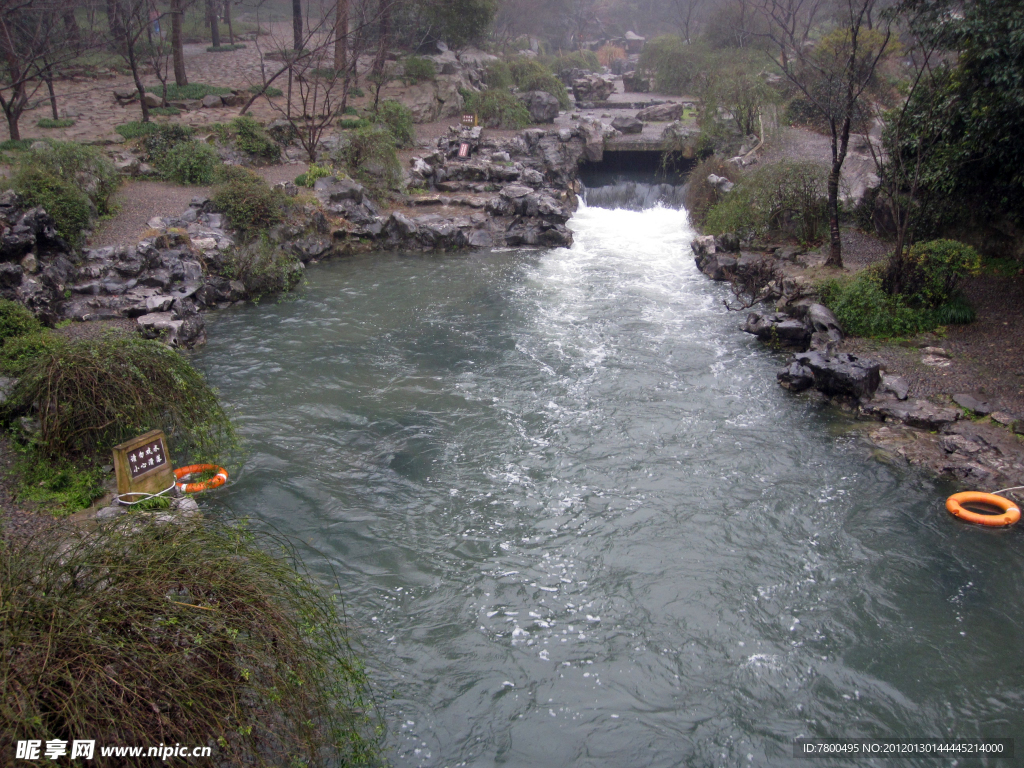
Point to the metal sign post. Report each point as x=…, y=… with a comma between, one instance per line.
x=142, y=465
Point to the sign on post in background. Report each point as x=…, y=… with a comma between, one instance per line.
x=469, y=120
x=142, y=464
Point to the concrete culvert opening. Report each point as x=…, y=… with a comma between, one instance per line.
x=635, y=180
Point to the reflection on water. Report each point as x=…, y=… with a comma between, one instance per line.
x=579, y=523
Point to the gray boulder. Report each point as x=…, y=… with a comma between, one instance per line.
x=821, y=320
x=660, y=113
x=778, y=329
x=542, y=106
x=844, y=374
x=627, y=125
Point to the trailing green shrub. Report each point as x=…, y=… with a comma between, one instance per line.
x=397, y=118
x=531, y=75
x=863, y=308
x=91, y=394
x=78, y=164
x=499, y=108
x=160, y=141
x=190, y=163
x=253, y=139
x=575, y=60
x=352, y=124
x=247, y=200
x=19, y=351
x=783, y=197
x=264, y=268
x=16, y=320
x=370, y=156
x=497, y=74
x=673, y=65
x=194, y=632
x=701, y=196
x=136, y=129
x=63, y=200
x=416, y=69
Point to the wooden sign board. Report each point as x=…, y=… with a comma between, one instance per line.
x=142, y=464
x=469, y=120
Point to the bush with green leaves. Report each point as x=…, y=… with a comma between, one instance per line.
x=930, y=273
x=417, y=69
x=91, y=394
x=79, y=164
x=499, y=108
x=397, y=118
x=531, y=75
x=63, y=199
x=252, y=139
x=674, y=66
x=263, y=267
x=247, y=200
x=190, y=162
x=19, y=351
x=574, y=60
x=370, y=156
x=204, y=633
x=160, y=141
x=316, y=171
x=16, y=320
x=190, y=91
x=498, y=74
x=700, y=196
x=787, y=197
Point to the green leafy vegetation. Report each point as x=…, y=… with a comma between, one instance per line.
x=674, y=66
x=164, y=111
x=247, y=200
x=17, y=145
x=224, y=48
x=416, y=69
x=370, y=156
x=786, y=197
x=49, y=122
x=351, y=124
x=531, y=75
x=193, y=632
x=56, y=177
x=271, y=91
x=497, y=74
x=574, y=60
x=91, y=394
x=929, y=274
x=264, y=267
x=460, y=22
x=316, y=171
x=16, y=320
x=397, y=118
x=136, y=129
x=253, y=139
x=190, y=91
x=190, y=162
x=499, y=108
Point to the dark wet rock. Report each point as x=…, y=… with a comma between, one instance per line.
x=843, y=374
x=795, y=377
x=728, y=242
x=627, y=125
x=778, y=330
x=973, y=403
x=922, y=414
x=821, y=319
x=542, y=106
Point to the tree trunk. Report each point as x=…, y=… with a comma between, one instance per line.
x=114, y=19
x=384, y=35
x=71, y=27
x=177, y=51
x=134, y=64
x=53, y=96
x=214, y=26
x=297, y=24
x=227, y=20
x=12, y=124
x=835, y=252
x=341, y=37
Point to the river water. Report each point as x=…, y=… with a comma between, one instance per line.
x=577, y=522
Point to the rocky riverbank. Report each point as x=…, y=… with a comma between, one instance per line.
x=959, y=435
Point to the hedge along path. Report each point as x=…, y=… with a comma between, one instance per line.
x=139, y=200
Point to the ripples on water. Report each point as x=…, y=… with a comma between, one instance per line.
x=579, y=523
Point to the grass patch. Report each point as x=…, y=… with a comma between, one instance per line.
x=136, y=129
x=16, y=145
x=264, y=268
x=194, y=633
x=165, y=111
x=270, y=91
x=352, y=123
x=49, y=122
x=499, y=108
x=309, y=178
x=60, y=488
x=224, y=48
x=190, y=91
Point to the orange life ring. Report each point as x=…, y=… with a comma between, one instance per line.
x=1011, y=512
x=214, y=482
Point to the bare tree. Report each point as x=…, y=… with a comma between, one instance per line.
x=135, y=19
x=684, y=15
x=32, y=48
x=177, y=50
x=340, y=35
x=792, y=21
x=833, y=76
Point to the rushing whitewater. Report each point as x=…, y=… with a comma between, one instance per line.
x=578, y=523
